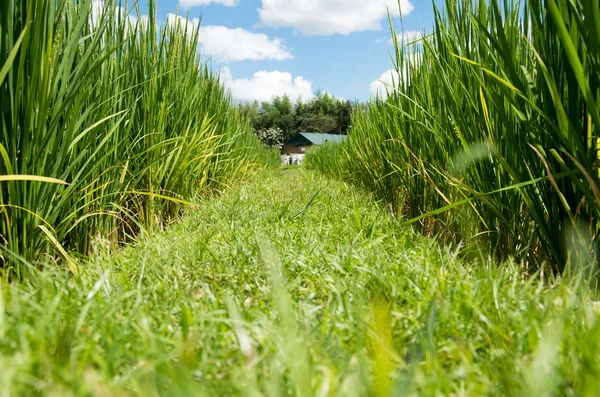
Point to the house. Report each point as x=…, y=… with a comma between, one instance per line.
x=300, y=142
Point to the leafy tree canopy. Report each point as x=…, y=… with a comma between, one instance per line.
x=324, y=113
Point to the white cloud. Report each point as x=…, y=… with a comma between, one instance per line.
x=175, y=21
x=196, y=3
x=98, y=9
x=238, y=44
x=386, y=81
x=391, y=78
x=264, y=86
x=326, y=17
x=407, y=37
x=232, y=45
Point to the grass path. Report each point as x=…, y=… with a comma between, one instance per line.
x=293, y=284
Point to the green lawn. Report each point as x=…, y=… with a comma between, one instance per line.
x=294, y=284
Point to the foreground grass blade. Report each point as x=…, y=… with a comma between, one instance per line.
x=32, y=178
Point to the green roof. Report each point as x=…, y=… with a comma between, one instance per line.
x=310, y=138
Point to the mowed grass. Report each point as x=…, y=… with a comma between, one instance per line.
x=294, y=285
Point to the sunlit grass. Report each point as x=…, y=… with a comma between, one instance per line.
x=295, y=285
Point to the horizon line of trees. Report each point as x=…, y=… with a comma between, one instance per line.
x=277, y=121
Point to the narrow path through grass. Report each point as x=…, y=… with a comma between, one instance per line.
x=293, y=284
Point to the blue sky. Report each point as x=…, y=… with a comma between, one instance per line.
x=268, y=47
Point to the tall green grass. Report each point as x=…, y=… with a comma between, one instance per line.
x=330, y=156
x=491, y=134
x=121, y=111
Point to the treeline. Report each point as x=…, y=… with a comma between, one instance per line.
x=283, y=119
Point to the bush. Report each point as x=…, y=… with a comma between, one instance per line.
x=270, y=137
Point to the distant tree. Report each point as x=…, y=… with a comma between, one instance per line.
x=319, y=123
x=287, y=124
x=323, y=113
x=283, y=105
x=300, y=108
x=283, y=114
x=344, y=117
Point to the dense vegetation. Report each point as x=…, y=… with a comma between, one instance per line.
x=108, y=124
x=491, y=133
x=295, y=285
x=276, y=122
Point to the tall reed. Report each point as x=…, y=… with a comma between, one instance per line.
x=491, y=132
x=118, y=108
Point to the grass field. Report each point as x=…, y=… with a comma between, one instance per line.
x=150, y=246
x=294, y=285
